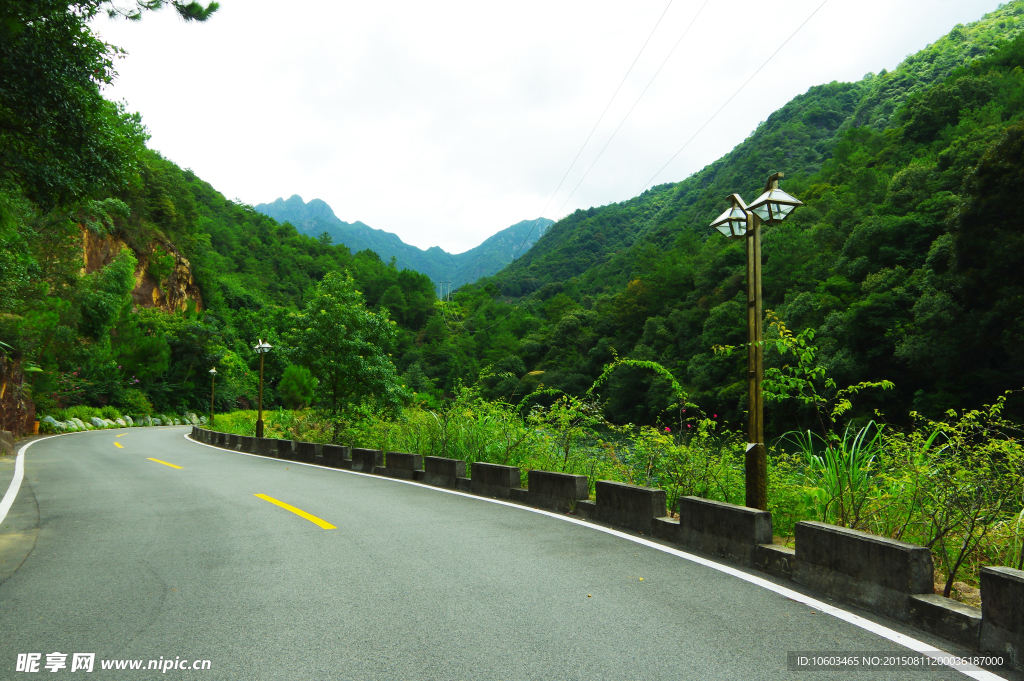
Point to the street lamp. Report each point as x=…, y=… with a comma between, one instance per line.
x=743, y=221
x=261, y=349
x=213, y=384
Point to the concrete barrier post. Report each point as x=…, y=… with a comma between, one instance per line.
x=286, y=449
x=246, y=444
x=1002, y=613
x=557, y=491
x=442, y=472
x=402, y=466
x=335, y=454
x=493, y=480
x=365, y=460
x=232, y=441
x=874, y=572
x=630, y=506
x=266, y=447
x=305, y=452
x=723, y=529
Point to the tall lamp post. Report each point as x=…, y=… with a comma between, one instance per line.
x=743, y=221
x=213, y=384
x=261, y=349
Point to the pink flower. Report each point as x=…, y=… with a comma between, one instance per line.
x=714, y=416
x=688, y=425
x=667, y=429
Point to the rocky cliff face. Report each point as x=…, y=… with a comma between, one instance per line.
x=176, y=287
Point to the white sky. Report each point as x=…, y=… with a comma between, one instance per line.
x=445, y=122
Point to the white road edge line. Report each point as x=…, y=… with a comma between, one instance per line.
x=19, y=475
x=972, y=671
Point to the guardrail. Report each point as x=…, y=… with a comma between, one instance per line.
x=882, y=575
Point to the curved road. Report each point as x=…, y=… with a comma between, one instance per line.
x=131, y=558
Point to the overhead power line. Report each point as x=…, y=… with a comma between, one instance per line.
x=738, y=90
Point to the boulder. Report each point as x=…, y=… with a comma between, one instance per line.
x=70, y=426
x=121, y=422
x=80, y=424
x=147, y=420
x=49, y=420
x=109, y=424
x=128, y=420
x=97, y=422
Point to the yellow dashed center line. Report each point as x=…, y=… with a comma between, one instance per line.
x=118, y=445
x=164, y=463
x=120, y=434
x=298, y=511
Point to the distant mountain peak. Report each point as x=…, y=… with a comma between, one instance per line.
x=316, y=217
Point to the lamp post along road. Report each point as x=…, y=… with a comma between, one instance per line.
x=261, y=349
x=213, y=385
x=743, y=221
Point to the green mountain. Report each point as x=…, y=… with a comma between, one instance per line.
x=316, y=218
x=900, y=262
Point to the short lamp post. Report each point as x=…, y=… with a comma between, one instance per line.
x=213, y=385
x=261, y=349
x=743, y=221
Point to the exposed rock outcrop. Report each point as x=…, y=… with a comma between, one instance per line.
x=176, y=287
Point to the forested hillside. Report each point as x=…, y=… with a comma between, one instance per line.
x=125, y=278
x=901, y=261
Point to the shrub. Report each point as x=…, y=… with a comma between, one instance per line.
x=135, y=402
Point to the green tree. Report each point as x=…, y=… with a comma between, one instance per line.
x=296, y=387
x=346, y=347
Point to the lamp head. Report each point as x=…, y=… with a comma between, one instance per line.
x=213, y=371
x=733, y=222
x=774, y=205
x=262, y=347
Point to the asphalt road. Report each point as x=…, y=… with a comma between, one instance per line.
x=130, y=558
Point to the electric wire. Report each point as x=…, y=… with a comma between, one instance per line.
x=607, y=142
x=694, y=136
x=747, y=81
x=624, y=118
x=516, y=251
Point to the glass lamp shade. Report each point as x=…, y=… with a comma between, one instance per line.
x=774, y=206
x=732, y=223
x=262, y=347
x=213, y=370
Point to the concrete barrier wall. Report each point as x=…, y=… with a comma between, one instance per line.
x=630, y=506
x=365, y=460
x=442, y=472
x=492, y=480
x=885, y=576
x=722, y=529
x=1002, y=613
x=871, y=571
x=556, y=491
x=232, y=441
